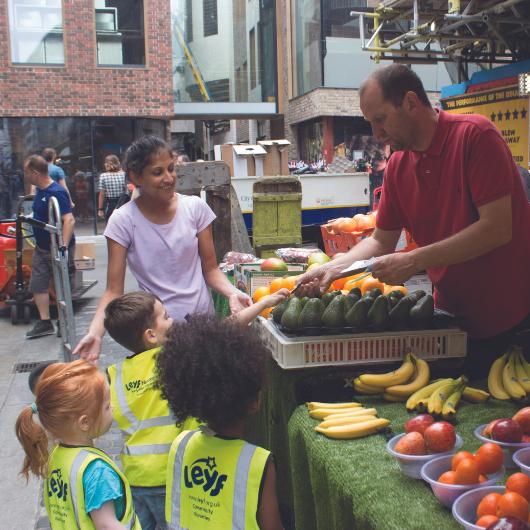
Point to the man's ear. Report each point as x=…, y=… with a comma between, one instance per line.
x=83, y=423
x=411, y=101
x=149, y=338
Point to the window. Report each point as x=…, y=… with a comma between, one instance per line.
x=189, y=20
x=209, y=16
x=36, y=30
x=120, y=32
x=252, y=53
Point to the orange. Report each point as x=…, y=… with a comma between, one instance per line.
x=467, y=472
x=488, y=504
x=447, y=478
x=458, y=457
x=388, y=289
x=371, y=283
x=513, y=504
x=260, y=292
x=338, y=285
x=276, y=285
x=519, y=483
x=351, y=281
x=349, y=225
x=266, y=312
x=482, y=478
x=486, y=520
x=289, y=282
x=363, y=222
x=489, y=458
x=335, y=225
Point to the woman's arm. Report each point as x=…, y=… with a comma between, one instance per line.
x=214, y=277
x=268, y=511
x=89, y=347
x=105, y=518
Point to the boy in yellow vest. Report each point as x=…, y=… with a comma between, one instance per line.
x=213, y=370
x=139, y=322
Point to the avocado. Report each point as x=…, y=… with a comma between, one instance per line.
x=277, y=312
x=399, y=315
x=348, y=302
x=333, y=316
x=415, y=296
x=311, y=315
x=355, y=292
x=304, y=300
x=374, y=293
x=378, y=315
x=392, y=300
x=357, y=316
x=326, y=298
x=421, y=314
x=292, y=313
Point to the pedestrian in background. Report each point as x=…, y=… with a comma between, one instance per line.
x=56, y=173
x=111, y=186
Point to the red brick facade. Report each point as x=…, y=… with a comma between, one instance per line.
x=80, y=87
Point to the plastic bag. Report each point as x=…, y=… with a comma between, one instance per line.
x=296, y=255
x=232, y=258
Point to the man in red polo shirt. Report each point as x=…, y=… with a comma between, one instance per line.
x=453, y=184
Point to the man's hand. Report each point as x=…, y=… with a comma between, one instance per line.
x=394, y=269
x=315, y=282
x=238, y=300
x=89, y=348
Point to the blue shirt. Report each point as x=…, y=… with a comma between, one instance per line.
x=102, y=484
x=40, y=211
x=56, y=173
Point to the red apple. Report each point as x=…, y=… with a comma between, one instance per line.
x=411, y=444
x=440, y=437
x=419, y=423
x=487, y=430
x=523, y=419
x=273, y=264
x=507, y=431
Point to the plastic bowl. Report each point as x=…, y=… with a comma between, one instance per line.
x=411, y=464
x=465, y=507
x=448, y=493
x=521, y=457
x=508, y=448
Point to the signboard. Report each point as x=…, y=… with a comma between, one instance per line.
x=505, y=108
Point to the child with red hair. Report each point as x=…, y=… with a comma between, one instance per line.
x=83, y=487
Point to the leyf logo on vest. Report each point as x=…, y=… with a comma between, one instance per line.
x=202, y=473
x=138, y=386
x=57, y=486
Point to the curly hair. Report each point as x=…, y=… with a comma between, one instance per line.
x=140, y=152
x=211, y=369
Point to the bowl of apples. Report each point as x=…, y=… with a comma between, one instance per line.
x=423, y=440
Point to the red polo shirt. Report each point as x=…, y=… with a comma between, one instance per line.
x=435, y=194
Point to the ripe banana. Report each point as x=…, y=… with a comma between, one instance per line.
x=397, y=377
x=520, y=371
x=355, y=430
x=365, y=389
x=345, y=421
x=358, y=412
x=423, y=394
x=320, y=414
x=509, y=379
x=392, y=398
x=475, y=395
x=450, y=404
x=312, y=405
x=420, y=380
x=523, y=360
x=495, y=385
x=439, y=396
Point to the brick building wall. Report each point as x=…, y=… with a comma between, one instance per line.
x=80, y=87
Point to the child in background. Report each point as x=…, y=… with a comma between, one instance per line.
x=213, y=370
x=83, y=487
x=139, y=322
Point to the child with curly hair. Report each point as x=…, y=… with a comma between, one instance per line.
x=213, y=370
x=83, y=487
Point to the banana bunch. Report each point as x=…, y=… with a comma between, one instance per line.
x=398, y=385
x=344, y=421
x=509, y=376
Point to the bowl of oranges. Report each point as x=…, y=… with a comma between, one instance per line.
x=452, y=475
x=485, y=506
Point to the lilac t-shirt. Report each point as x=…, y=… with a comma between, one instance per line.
x=165, y=259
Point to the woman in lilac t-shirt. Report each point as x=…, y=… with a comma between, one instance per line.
x=166, y=239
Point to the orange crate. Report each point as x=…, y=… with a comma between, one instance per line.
x=334, y=243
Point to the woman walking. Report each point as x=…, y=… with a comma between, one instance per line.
x=111, y=186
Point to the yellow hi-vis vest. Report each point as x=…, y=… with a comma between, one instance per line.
x=145, y=419
x=64, y=495
x=213, y=483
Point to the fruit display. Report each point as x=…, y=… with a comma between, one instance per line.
x=510, y=430
x=426, y=436
x=509, y=376
x=346, y=420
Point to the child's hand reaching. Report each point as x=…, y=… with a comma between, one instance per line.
x=273, y=299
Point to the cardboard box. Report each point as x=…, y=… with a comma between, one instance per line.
x=248, y=276
x=85, y=256
x=277, y=158
x=244, y=160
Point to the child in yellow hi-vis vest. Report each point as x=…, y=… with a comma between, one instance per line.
x=213, y=370
x=139, y=322
x=83, y=487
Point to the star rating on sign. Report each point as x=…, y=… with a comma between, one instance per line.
x=507, y=115
x=515, y=114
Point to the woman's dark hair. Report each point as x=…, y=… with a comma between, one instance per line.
x=211, y=369
x=395, y=81
x=140, y=152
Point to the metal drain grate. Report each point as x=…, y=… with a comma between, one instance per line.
x=21, y=368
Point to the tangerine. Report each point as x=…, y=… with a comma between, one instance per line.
x=266, y=312
x=488, y=504
x=338, y=285
x=512, y=504
x=519, y=483
x=486, y=520
x=335, y=225
x=289, y=282
x=260, y=292
x=275, y=285
x=363, y=222
x=447, y=478
x=467, y=471
x=371, y=283
x=489, y=458
x=348, y=226
x=458, y=457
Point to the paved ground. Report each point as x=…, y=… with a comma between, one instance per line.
x=23, y=503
